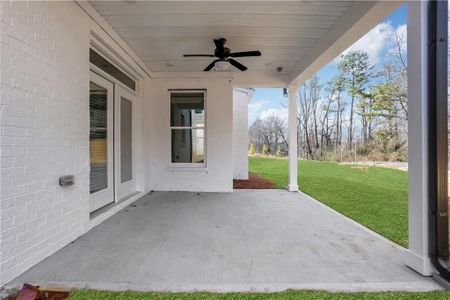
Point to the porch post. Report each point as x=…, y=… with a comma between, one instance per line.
x=292, y=137
x=416, y=256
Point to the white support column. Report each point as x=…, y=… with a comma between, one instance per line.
x=416, y=256
x=292, y=137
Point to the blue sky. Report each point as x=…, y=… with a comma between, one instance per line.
x=267, y=101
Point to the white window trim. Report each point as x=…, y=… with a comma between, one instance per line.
x=189, y=166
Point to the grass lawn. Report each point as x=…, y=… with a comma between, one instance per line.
x=316, y=295
x=376, y=197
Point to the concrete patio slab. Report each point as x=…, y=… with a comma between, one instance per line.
x=249, y=240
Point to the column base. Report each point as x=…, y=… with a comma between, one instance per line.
x=292, y=188
x=418, y=263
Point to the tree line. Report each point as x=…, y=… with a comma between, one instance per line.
x=361, y=113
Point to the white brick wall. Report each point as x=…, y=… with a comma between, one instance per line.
x=44, y=130
x=217, y=176
x=44, y=134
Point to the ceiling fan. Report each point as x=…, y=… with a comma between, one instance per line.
x=224, y=56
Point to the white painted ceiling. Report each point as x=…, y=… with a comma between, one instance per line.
x=161, y=32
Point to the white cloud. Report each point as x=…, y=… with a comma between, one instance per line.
x=374, y=42
x=255, y=108
x=277, y=112
x=401, y=33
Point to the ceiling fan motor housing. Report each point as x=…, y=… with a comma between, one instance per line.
x=222, y=54
x=225, y=56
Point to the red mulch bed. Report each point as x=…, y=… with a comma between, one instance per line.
x=30, y=292
x=254, y=181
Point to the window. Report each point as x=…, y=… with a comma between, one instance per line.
x=187, y=124
x=98, y=61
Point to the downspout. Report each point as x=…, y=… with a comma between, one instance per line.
x=438, y=246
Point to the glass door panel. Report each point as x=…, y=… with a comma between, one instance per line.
x=98, y=137
x=100, y=141
x=126, y=139
x=125, y=148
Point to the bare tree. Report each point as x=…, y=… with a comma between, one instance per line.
x=304, y=115
x=350, y=109
x=270, y=132
x=335, y=89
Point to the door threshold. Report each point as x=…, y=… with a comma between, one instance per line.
x=111, y=205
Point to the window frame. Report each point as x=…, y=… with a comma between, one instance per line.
x=198, y=166
x=118, y=61
x=101, y=55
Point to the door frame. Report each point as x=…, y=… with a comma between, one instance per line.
x=137, y=95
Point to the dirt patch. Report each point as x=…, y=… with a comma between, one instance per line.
x=360, y=168
x=254, y=181
x=30, y=292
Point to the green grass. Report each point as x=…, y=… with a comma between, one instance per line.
x=376, y=197
x=314, y=295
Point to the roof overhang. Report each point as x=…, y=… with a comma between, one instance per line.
x=299, y=37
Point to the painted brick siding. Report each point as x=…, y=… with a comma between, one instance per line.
x=44, y=130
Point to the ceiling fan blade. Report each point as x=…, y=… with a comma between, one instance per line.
x=245, y=53
x=220, y=43
x=211, y=65
x=198, y=55
x=237, y=65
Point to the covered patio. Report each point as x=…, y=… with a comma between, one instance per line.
x=249, y=240
x=106, y=86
